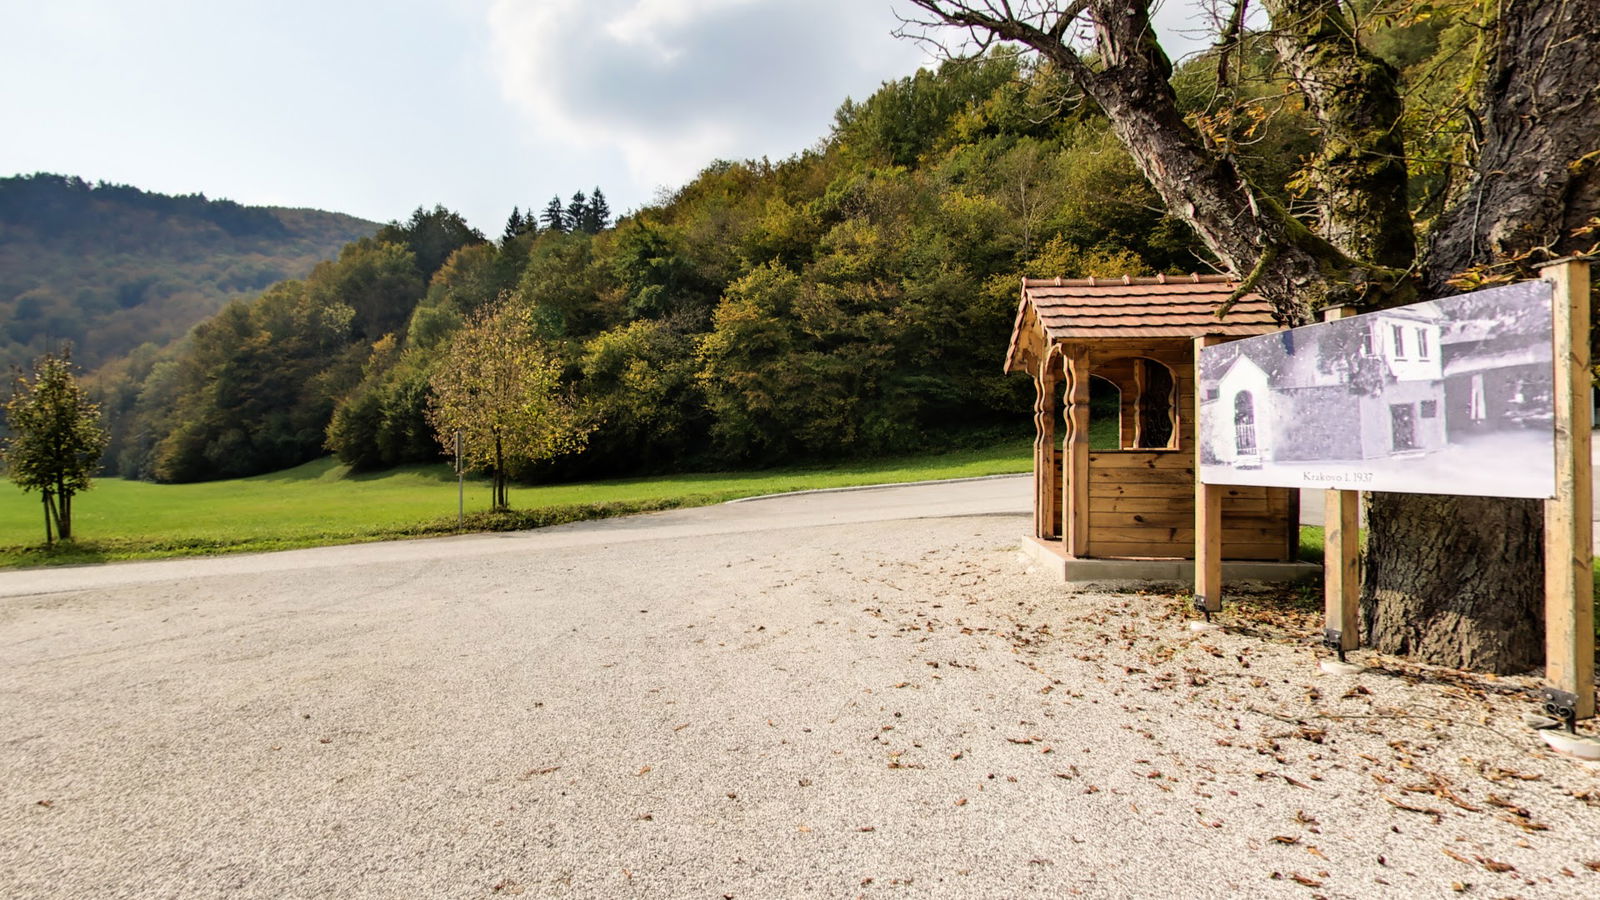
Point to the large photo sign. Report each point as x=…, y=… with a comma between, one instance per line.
x=1451, y=396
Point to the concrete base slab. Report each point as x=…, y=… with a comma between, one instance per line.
x=1121, y=574
x=1335, y=667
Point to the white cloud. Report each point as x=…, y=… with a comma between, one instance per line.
x=674, y=84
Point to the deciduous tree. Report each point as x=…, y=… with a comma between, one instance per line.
x=55, y=441
x=1530, y=186
x=500, y=388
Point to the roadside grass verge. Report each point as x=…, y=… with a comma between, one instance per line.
x=322, y=503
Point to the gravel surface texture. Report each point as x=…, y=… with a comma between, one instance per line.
x=862, y=694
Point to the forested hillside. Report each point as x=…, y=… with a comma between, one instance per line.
x=109, y=267
x=854, y=299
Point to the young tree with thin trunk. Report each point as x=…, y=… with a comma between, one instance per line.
x=1449, y=580
x=56, y=439
x=500, y=388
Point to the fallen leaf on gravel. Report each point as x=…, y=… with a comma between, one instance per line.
x=680, y=727
x=958, y=754
x=1458, y=887
x=1456, y=856
x=868, y=828
x=1427, y=811
x=805, y=828
x=507, y=886
x=1494, y=865
x=643, y=769
x=532, y=772
x=1592, y=864
x=962, y=802
x=1305, y=880
x=1496, y=773
x=1508, y=805
x=1524, y=824
x=47, y=803
x=1285, y=839
x=325, y=740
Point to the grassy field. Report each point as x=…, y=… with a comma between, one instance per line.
x=322, y=503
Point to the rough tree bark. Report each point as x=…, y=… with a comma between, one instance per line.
x=1458, y=579
x=1450, y=580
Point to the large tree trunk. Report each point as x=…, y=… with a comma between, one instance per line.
x=1452, y=580
x=1459, y=580
x=1455, y=580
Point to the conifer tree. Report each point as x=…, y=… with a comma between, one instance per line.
x=554, y=215
x=598, y=213
x=514, y=225
x=578, y=213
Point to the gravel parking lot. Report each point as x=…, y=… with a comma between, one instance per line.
x=861, y=694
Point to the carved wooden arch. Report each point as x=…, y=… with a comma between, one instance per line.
x=1152, y=420
x=1047, y=381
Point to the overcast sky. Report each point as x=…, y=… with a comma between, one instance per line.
x=373, y=108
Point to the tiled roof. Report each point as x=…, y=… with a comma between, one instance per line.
x=1145, y=307
x=1162, y=306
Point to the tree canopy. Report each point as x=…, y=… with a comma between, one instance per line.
x=499, y=389
x=55, y=438
x=1421, y=172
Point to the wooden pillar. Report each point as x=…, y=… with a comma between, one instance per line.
x=1075, y=456
x=1568, y=523
x=1207, y=510
x=1341, y=555
x=1045, y=524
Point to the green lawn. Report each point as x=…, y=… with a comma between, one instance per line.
x=322, y=503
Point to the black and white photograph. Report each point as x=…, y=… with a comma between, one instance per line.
x=1450, y=396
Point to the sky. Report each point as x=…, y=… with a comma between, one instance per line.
x=373, y=109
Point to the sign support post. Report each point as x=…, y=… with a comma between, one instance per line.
x=1568, y=523
x=461, y=485
x=1207, y=515
x=1341, y=556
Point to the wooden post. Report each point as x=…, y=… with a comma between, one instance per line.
x=1044, y=451
x=1568, y=523
x=1341, y=555
x=1207, y=511
x=1075, y=456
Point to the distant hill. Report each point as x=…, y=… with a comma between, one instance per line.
x=110, y=267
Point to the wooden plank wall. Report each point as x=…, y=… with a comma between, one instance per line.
x=1141, y=503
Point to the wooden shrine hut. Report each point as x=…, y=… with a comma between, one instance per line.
x=1114, y=498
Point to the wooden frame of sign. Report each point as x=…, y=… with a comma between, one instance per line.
x=1568, y=516
x=1568, y=522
